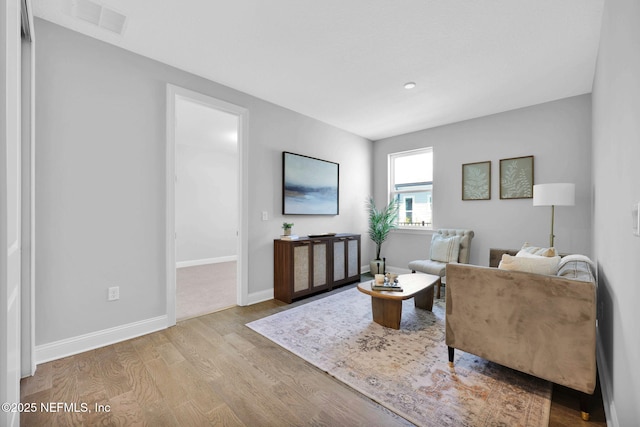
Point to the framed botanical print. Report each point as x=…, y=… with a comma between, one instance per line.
x=516, y=178
x=476, y=181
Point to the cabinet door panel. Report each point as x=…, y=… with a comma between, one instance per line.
x=353, y=258
x=338, y=261
x=300, y=268
x=319, y=264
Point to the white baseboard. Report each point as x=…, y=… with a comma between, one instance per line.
x=206, y=261
x=82, y=343
x=605, y=386
x=256, y=297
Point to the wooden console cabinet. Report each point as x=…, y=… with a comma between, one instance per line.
x=308, y=265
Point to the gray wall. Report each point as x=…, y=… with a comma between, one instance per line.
x=557, y=134
x=616, y=186
x=206, y=203
x=207, y=185
x=100, y=179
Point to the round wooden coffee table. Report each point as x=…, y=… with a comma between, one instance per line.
x=387, y=305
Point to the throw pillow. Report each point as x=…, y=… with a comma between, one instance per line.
x=577, y=267
x=574, y=258
x=524, y=254
x=535, y=250
x=445, y=249
x=538, y=264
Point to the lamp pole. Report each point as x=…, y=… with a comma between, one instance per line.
x=551, y=236
x=561, y=194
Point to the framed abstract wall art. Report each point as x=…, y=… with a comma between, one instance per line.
x=310, y=186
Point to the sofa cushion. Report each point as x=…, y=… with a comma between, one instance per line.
x=525, y=254
x=577, y=267
x=530, y=264
x=535, y=250
x=428, y=266
x=445, y=249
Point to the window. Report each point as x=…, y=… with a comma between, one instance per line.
x=408, y=209
x=411, y=185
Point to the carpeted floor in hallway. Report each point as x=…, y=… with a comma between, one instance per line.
x=204, y=289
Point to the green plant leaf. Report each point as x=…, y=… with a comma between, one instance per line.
x=381, y=222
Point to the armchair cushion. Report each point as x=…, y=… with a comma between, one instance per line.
x=428, y=266
x=465, y=241
x=431, y=266
x=445, y=249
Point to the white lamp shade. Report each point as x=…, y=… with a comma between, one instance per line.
x=554, y=194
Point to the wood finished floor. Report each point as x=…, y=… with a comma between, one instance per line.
x=213, y=370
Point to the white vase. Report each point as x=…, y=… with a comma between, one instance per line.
x=377, y=266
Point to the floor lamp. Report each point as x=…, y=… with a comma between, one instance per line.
x=554, y=195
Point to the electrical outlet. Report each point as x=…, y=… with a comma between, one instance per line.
x=265, y=216
x=114, y=293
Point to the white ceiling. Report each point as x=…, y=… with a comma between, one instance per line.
x=345, y=62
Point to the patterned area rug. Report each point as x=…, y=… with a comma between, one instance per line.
x=406, y=370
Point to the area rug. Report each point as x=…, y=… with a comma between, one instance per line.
x=406, y=370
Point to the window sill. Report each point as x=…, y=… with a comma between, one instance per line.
x=413, y=230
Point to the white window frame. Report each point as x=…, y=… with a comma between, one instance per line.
x=392, y=192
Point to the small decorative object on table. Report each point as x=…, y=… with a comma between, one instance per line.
x=289, y=237
x=321, y=235
x=389, y=283
x=286, y=226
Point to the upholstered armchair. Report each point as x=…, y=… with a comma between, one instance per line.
x=447, y=245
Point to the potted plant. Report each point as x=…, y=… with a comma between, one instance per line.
x=381, y=222
x=286, y=226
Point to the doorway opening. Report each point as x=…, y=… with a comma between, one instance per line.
x=206, y=226
x=206, y=209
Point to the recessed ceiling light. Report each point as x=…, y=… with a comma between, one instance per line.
x=409, y=85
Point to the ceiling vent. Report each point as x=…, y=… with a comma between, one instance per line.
x=99, y=15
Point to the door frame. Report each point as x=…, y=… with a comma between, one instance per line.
x=28, y=129
x=10, y=208
x=174, y=92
